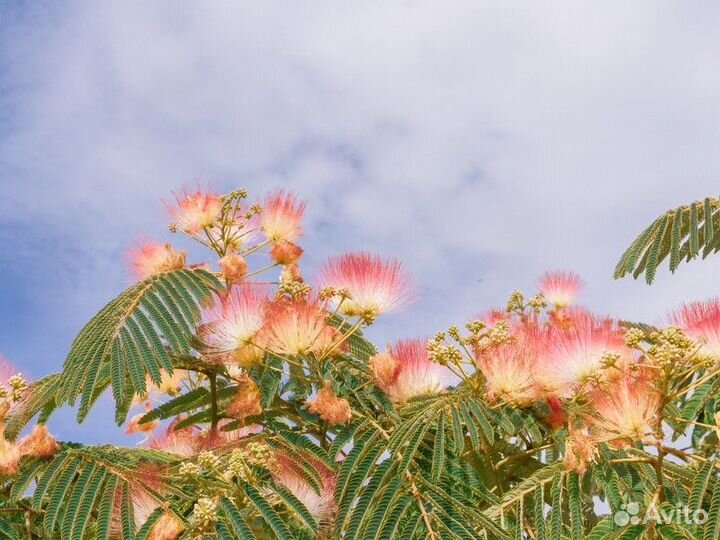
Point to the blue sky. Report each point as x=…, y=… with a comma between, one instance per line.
x=481, y=142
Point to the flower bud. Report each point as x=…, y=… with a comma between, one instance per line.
x=331, y=408
x=40, y=443
x=285, y=252
x=233, y=267
x=247, y=400
x=9, y=457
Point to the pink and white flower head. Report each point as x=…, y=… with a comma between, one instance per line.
x=167, y=527
x=298, y=327
x=405, y=371
x=281, y=217
x=211, y=439
x=195, y=209
x=509, y=368
x=701, y=322
x=182, y=442
x=136, y=425
x=320, y=505
x=231, y=323
x=580, y=450
x=627, y=409
x=375, y=285
x=150, y=258
x=560, y=288
x=9, y=457
x=328, y=406
x=578, y=351
x=38, y=443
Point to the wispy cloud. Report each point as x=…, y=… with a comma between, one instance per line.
x=482, y=143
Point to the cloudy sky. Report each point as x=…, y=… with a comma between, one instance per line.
x=481, y=142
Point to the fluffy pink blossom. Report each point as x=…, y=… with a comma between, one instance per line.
x=210, y=439
x=281, y=217
x=509, y=368
x=320, y=505
x=231, y=324
x=560, y=288
x=298, y=327
x=577, y=351
x=234, y=267
x=331, y=408
x=182, y=442
x=135, y=425
x=701, y=322
x=405, y=371
x=627, y=409
x=39, y=443
x=195, y=209
x=150, y=258
x=167, y=527
x=9, y=457
x=375, y=285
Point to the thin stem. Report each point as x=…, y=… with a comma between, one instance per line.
x=213, y=402
x=526, y=453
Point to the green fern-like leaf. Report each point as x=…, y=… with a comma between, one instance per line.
x=130, y=339
x=678, y=234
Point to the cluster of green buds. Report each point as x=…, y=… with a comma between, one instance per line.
x=235, y=195
x=208, y=461
x=292, y=284
x=610, y=359
x=259, y=454
x=670, y=345
x=294, y=289
x=327, y=293
x=190, y=470
x=517, y=304
x=634, y=337
x=442, y=352
x=17, y=385
x=498, y=334
x=238, y=466
x=204, y=514
x=479, y=337
x=242, y=461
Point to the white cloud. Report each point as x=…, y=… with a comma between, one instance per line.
x=481, y=142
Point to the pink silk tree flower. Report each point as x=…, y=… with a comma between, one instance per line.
x=9, y=457
x=375, y=285
x=701, y=322
x=405, y=371
x=331, y=408
x=578, y=350
x=39, y=443
x=231, y=324
x=195, y=209
x=560, y=288
x=135, y=425
x=151, y=258
x=320, y=505
x=281, y=217
x=626, y=409
x=167, y=527
x=182, y=442
x=298, y=327
x=509, y=368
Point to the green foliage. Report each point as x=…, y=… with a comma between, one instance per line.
x=463, y=463
x=77, y=490
x=131, y=338
x=678, y=235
